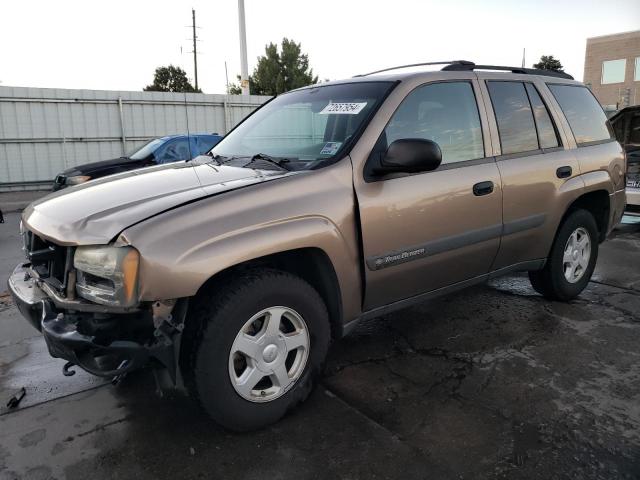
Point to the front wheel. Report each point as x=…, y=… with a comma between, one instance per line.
x=253, y=349
x=572, y=259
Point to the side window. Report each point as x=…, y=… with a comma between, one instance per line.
x=583, y=112
x=445, y=113
x=173, y=151
x=546, y=131
x=516, y=126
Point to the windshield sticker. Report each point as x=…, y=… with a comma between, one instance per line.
x=330, y=148
x=343, y=108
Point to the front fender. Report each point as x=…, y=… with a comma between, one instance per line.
x=183, y=248
x=201, y=262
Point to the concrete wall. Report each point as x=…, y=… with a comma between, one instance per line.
x=44, y=131
x=613, y=47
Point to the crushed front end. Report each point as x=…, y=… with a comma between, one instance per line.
x=84, y=301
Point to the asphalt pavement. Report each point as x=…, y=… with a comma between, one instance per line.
x=490, y=382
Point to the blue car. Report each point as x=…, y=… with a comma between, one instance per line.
x=172, y=148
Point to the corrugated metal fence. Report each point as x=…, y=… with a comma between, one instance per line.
x=44, y=131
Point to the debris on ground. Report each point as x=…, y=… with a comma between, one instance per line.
x=15, y=400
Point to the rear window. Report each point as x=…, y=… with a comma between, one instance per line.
x=584, y=114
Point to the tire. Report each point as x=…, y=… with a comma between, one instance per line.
x=552, y=281
x=213, y=373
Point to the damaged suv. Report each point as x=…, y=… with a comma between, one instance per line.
x=330, y=204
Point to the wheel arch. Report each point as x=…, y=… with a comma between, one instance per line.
x=596, y=202
x=312, y=264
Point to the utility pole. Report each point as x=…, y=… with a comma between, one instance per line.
x=244, y=68
x=524, y=51
x=195, y=51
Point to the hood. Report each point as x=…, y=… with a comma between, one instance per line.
x=625, y=112
x=89, y=168
x=625, y=127
x=96, y=211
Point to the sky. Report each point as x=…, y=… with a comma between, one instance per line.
x=116, y=45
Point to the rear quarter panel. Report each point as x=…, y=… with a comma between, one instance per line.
x=603, y=168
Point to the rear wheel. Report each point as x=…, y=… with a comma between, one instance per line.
x=253, y=349
x=572, y=259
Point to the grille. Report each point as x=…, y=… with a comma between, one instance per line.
x=50, y=261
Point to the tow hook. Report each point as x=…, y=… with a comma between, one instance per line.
x=66, y=370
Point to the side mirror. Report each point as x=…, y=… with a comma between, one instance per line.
x=410, y=155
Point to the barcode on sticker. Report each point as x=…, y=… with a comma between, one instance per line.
x=343, y=108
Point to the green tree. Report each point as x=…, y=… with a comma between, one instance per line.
x=170, y=79
x=547, y=62
x=279, y=71
x=236, y=89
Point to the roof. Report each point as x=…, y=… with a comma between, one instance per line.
x=178, y=135
x=452, y=69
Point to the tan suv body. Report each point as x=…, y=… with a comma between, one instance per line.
x=233, y=271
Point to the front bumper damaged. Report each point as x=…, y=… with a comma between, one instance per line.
x=65, y=339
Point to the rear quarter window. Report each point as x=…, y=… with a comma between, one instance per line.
x=586, y=118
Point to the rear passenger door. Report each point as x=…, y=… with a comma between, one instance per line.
x=536, y=166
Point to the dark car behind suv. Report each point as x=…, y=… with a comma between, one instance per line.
x=626, y=124
x=172, y=148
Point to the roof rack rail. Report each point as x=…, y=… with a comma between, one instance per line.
x=448, y=63
x=469, y=66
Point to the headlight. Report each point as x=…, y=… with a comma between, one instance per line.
x=107, y=275
x=77, y=179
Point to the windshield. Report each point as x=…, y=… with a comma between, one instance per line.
x=305, y=126
x=146, y=150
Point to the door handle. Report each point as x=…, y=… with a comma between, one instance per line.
x=564, y=172
x=483, y=188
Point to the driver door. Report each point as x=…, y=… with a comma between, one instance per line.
x=425, y=231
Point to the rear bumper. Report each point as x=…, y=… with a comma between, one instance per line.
x=64, y=340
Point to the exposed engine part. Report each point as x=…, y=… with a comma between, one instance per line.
x=163, y=319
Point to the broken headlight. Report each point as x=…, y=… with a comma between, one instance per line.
x=107, y=275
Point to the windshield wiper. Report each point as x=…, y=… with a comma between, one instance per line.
x=220, y=159
x=277, y=161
